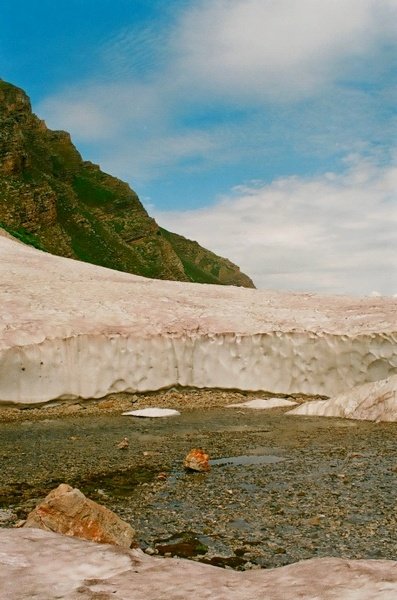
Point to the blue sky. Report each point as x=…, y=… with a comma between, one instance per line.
x=264, y=129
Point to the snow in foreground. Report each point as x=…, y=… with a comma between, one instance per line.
x=43, y=564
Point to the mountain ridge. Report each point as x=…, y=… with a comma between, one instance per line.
x=53, y=199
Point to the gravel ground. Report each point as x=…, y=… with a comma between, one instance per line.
x=300, y=487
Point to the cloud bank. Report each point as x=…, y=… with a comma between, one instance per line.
x=334, y=233
x=279, y=50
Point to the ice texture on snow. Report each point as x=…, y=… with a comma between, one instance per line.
x=71, y=329
x=369, y=402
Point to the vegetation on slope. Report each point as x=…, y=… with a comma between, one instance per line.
x=51, y=198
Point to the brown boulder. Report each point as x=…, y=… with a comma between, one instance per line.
x=66, y=510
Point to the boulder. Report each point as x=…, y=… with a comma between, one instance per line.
x=375, y=401
x=197, y=460
x=66, y=510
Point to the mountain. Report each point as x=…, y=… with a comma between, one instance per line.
x=52, y=199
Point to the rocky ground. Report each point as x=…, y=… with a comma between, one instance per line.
x=282, y=488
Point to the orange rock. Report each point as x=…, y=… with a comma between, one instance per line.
x=66, y=510
x=197, y=460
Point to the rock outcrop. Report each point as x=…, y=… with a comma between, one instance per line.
x=369, y=402
x=41, y=564
x=71, y=329
x=51, y=198
x=66, y=510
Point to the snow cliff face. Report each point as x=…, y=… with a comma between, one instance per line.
x=375, y=401
x=71, y=329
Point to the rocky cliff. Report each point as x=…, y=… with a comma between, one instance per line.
x=51, y=198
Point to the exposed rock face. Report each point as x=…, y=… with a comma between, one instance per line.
x=66, y=510
x=41, y=564
x=71, y=329
x=370, y=402
x=204, y=266
x=51, y=198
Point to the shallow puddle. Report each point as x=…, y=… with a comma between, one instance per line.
x=244, y=460
x=191, y=545
x=116, y=485
x=185, y=545
x=121, y=484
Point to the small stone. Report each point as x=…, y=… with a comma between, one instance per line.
x=314, y=521
x=105, y=404
x=197, y=460
x=20, y=523
x=123, y=445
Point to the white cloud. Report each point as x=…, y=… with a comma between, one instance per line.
x=334, y=233
x=278, y=49
x=254, y=55
x=78, y=114
x=96, y=110
x=140, y=160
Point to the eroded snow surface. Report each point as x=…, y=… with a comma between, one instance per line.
x=70, y=329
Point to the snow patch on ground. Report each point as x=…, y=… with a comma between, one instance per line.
x=152, y=412
x=370, y=402
x=263, y=403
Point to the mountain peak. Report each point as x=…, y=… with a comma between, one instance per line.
x=50, y=197
x=13, y=99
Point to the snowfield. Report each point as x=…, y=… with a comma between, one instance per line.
x=71, y=329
